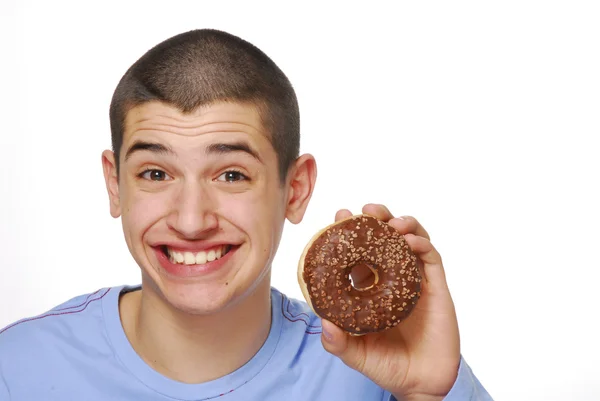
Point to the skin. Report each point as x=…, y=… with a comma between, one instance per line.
x=190, y=199
x=187, y=197
x=418, y=359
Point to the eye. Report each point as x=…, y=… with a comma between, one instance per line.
x=155, y=175
x=232, y=176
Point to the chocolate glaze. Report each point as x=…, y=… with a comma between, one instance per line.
x=362, y=240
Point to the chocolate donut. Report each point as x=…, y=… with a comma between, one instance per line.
x=324, y=275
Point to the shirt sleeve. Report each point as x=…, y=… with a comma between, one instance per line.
x=465, y=388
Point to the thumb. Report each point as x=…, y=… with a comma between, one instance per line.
x=346, y=347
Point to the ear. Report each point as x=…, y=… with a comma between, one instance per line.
x=303, y=176
x=112, y=182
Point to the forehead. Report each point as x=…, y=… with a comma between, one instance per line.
x=158, y=117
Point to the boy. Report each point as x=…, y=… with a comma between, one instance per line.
x=204, y=171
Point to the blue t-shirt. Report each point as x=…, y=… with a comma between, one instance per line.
x=79, y=351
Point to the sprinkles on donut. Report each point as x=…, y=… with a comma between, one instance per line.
x=324, y=275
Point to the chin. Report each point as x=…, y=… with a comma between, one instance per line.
x=194, y=297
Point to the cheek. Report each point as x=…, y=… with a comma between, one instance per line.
x=141, y=209
x=258, y=213
x=244, y=210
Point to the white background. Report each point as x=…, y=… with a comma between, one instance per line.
x=481, y=119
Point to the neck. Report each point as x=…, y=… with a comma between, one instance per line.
x=190, y=348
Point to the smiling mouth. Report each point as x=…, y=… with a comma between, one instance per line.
x=195, y=258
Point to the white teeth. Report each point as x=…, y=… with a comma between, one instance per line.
x=198, y=258
x=190, y=259
x=201, y=258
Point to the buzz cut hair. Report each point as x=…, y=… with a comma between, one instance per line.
x=206, y=66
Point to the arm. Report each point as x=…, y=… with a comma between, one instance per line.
x=419, y=359
x=465, y=388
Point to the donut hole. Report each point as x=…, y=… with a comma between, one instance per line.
x=363, y=277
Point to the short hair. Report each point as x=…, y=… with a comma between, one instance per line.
x=205, y=66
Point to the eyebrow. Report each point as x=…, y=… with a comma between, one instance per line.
x=215, y=148
x=224, y=148
x=148, y=146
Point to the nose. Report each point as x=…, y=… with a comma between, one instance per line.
x=193, y=212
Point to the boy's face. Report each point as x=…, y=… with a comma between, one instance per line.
x=201, y=202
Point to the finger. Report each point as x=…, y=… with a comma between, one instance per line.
x=408, y=225
x=378, y=211
x=433, y=269
x=346, y=347
x=342, y=214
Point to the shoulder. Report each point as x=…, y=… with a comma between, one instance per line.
x=41, y=354
x=59, y=323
